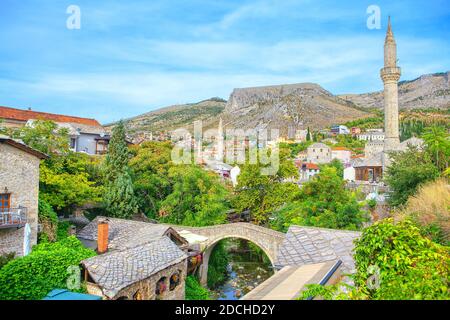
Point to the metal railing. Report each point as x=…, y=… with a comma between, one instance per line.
x=13, y=217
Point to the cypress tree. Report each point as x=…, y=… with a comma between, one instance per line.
x=119, y=197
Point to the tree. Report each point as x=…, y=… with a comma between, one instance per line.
x=437, y=143
x=150, y=166
x=43, y=135
x=198, y=198
x=316, y=205
x=408, y=170
x=65, y=182
x=118, y=154
x=263, y=194
x=335, y=163
x=119, y=196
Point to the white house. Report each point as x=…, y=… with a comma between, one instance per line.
x=342, y=154
x=372, y=135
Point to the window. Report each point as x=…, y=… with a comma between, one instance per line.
x=174, y=281
x=161, y=286
x=73, y=143
x=5, y=201
x=102, y=147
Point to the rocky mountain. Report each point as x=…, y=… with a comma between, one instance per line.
x=427, y=91
x=289, y=107
x=282, y=107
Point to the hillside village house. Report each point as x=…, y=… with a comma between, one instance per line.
x=19, y=189
x=318, y=153
x=86, y=135
x=342, y=154
x=372, y=135
x=339, y=129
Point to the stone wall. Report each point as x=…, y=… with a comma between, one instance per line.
x=19, y=172
x=146, y=288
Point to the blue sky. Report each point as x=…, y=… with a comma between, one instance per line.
x=130, y=57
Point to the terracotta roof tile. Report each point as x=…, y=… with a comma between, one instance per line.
x=25, y=115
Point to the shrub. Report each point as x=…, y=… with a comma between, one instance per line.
x=411, y=266
x=33, y=276
x=194, y=290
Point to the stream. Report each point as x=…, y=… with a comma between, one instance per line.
x=247, y=268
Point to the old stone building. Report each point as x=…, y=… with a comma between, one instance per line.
x=19, y=189
x=136, y=261
x=318, y=153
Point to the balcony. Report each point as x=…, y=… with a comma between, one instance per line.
x=13, y=217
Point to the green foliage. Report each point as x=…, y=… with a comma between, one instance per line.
x=43, y=135
x=48, y=219
x=335, y=163
x=437, y=141
x=217, y=266
x=316, y=206
x=366, y=123
x=263, y=194
x=372, y=203
x=119, y=197
x=150, y=165
x=5, y=258
x=45, y=268
x=195, y=291
x=408, y=170
x=198, y=198
x=411, y=266
x=295, y=148
x=63, y=230
x=64, y=181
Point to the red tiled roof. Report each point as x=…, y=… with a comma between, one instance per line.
x=311, y=166
x=340, y=149
x=25, y=115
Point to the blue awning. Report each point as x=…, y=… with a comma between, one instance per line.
x=63, y=294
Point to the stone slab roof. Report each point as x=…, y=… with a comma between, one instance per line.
x=309, y=245
x=116, y=270
x=375, y=161
x=125, y=234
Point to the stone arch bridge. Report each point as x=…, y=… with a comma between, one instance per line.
x=268, y=240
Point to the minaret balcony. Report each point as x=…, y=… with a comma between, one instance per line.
x=390, y=73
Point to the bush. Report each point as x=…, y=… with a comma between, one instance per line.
x=34, y=276
x=411, y=266
x=408, y=266
x=194, y=290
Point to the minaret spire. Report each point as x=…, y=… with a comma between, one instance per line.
x=390, y=75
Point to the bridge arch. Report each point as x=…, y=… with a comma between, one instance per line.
x=268, y=240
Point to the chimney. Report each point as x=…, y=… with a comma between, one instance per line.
x=102, y=236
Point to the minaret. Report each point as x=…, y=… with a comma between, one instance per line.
x=390, y=75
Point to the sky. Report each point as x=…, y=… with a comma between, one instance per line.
x=130, y=57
